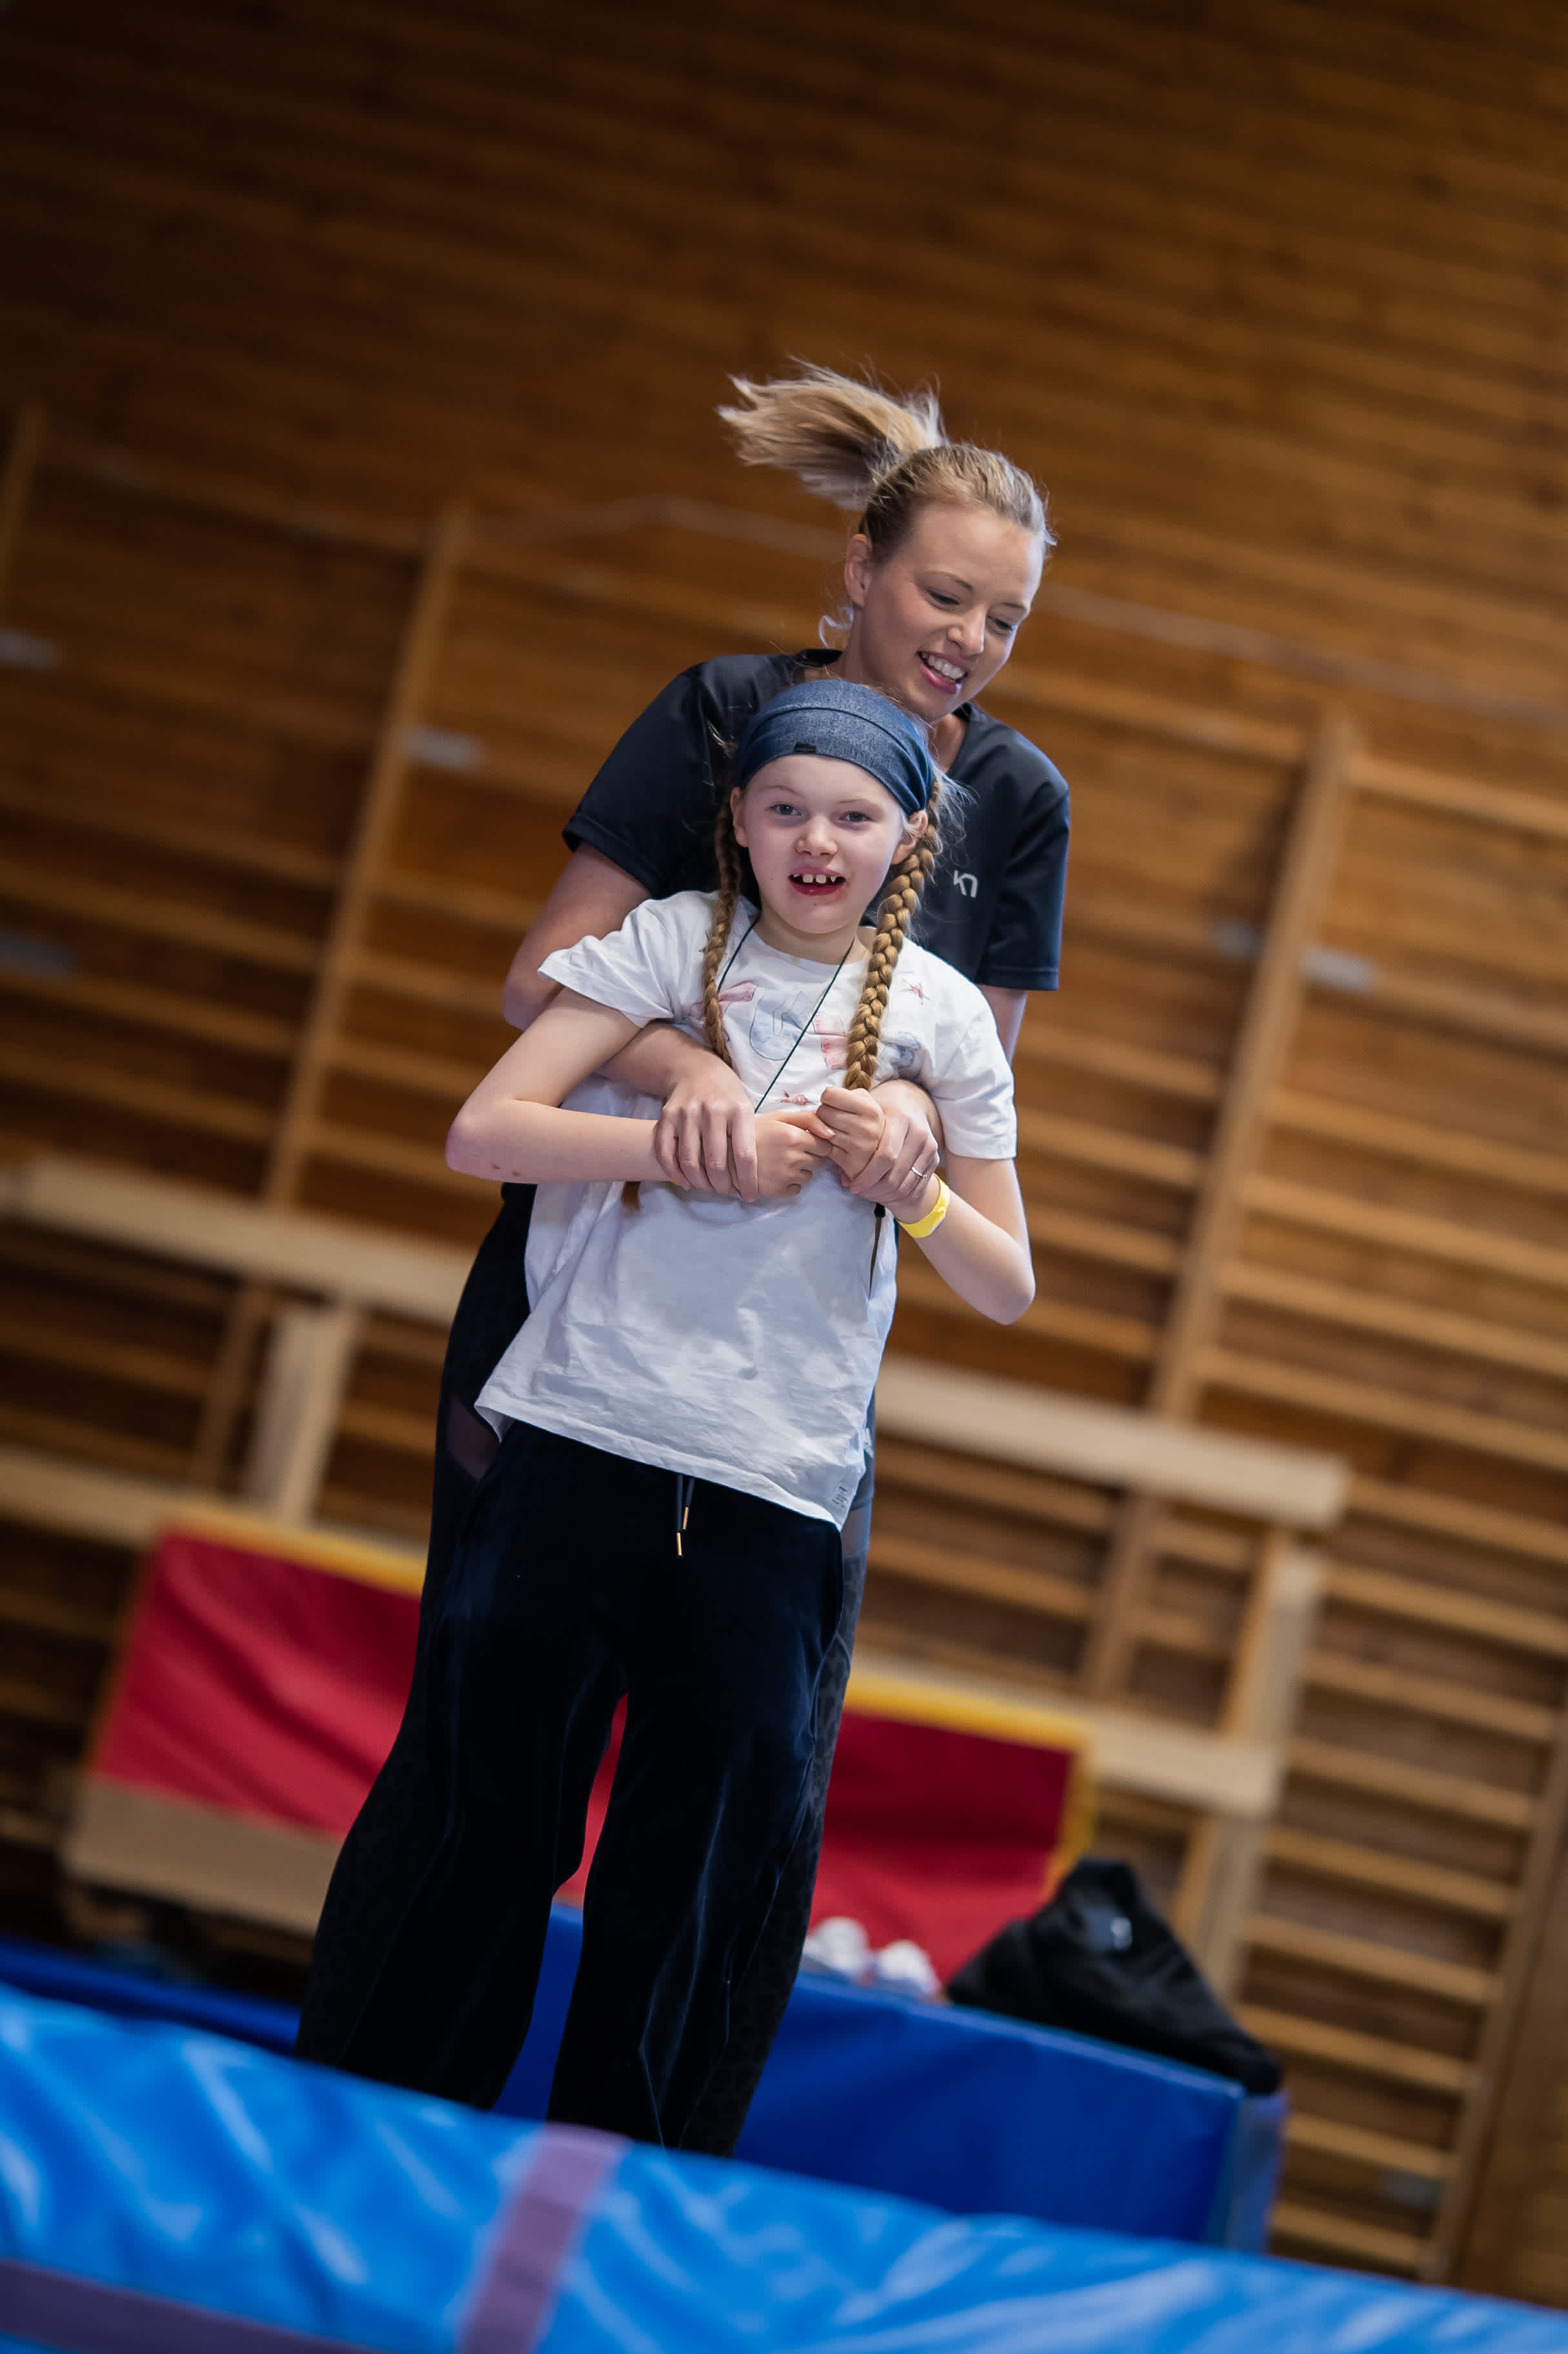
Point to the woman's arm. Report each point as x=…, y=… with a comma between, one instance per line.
x=1007, y=1007
x=591, y=894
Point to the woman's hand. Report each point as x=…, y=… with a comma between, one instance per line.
x=706, y=1136
x=904, y=1151
x=791, y=1146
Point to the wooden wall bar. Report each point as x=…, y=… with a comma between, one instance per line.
x=362, y=485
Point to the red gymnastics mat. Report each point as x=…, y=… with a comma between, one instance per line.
x=261, y=1677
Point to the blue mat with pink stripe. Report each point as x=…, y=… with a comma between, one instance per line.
x=167, y=2190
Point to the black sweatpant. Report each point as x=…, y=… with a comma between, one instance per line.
x=391, y=1841
x=568, y=1590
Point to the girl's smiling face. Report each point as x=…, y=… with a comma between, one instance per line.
x=935, y=620
x=821, y=835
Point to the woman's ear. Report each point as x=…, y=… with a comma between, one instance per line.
x=738, y=822
x=858, y=568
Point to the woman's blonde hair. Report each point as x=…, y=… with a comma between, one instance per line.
x=882, y=455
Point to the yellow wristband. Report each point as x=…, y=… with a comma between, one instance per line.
x=919, y=1228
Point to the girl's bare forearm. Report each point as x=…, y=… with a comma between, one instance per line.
x=520, y=1143
x=981, y=1262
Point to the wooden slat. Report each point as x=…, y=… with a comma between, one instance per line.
x=367, y=854
x=1361, y=2056
x=1363, y=2147
x=961, y=1573
x=1119, y=1060
x=1104, y=1239
x=1452, y=1516
x=1334, y=1859
x=249, y=854
x=1483, y=804
x=1412, y=1786
x=1359, y=1402
x=1110, y=1445
x=409, y=1277
x=1435, y=1696
x=1362, y=1957
x=1418, y=1141
x=157, y=1009
x=1299, y=2224
x=1109, y=1148
x=1436, y=1329
x=159, y=919
x=1423, y=1604
x=116, y=1089
x=1305, y=878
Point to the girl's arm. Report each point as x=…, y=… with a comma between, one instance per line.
x=982, y=1246
x=513, y=1127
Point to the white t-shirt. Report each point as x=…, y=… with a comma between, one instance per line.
x=738, y=1342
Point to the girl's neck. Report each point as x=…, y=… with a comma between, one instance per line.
x=845, y=946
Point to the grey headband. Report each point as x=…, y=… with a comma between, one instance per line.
x=838, y=720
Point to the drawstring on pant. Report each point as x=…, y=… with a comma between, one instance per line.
x=684, y=1490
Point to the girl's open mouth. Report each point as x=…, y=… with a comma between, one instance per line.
x=816, y=885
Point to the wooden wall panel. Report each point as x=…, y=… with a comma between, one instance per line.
x=1267, y=294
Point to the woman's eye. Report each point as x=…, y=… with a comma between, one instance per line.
x=1003, y=629
x=937, y=598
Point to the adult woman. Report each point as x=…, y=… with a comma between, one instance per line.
x=940, y=575
x=683, y=1419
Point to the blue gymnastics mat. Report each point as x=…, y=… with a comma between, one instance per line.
x=165, y=2190
x=964, y=2111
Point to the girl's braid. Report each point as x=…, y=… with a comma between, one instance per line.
x=901, y=899
x=726, y=851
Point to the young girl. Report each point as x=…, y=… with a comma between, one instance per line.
x=684, y=1415
x=941, y=565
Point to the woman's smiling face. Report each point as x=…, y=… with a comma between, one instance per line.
x=821, y=835
x=935, y=620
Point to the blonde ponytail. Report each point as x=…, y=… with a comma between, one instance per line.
x=882, y=455
x=839, y=437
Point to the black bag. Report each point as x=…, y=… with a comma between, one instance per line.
x=1098, y=1959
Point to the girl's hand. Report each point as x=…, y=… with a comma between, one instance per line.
x=898, y=1171
x=857, y=1124
x=791, y=1146
x=706, y=1136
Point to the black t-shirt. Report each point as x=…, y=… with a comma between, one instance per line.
x=992, y=909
